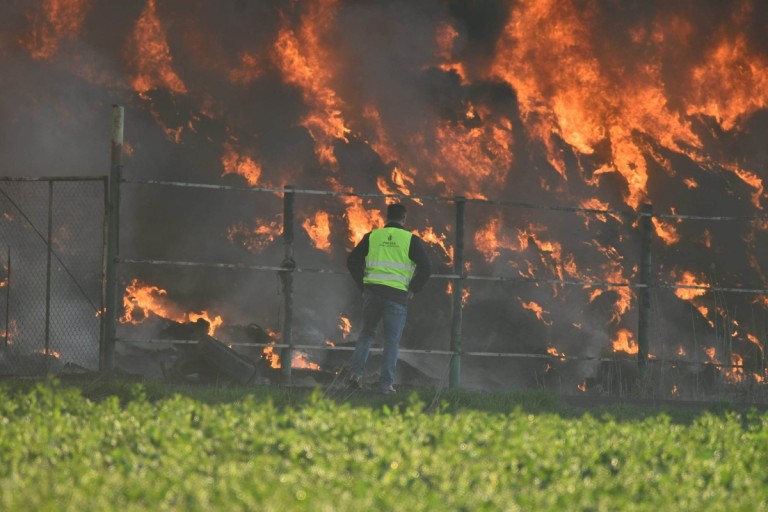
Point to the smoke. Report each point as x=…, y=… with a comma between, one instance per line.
x=605, y=105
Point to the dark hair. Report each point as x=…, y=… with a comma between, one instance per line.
x=396, y=211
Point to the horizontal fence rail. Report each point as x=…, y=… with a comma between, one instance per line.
x=289, y=267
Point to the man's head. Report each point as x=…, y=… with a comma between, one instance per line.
x=396, y=213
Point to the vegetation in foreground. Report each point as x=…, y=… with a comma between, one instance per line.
x=146, y=447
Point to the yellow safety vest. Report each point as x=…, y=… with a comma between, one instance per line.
x=387, y=261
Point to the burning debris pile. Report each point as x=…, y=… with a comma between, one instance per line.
x=603, y=106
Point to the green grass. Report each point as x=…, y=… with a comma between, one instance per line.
x=126, y=446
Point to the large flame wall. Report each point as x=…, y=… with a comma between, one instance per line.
x=599, y=104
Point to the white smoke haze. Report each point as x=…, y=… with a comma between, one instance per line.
x=602, y=105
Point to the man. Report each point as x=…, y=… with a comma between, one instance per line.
x=389, y=265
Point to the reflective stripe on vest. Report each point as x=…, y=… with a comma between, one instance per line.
x=387, y=261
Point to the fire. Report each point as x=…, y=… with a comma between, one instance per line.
x=755, y=340
x=59, y=20
x=345, y=326
x=152, y=56
x=753, y=181
x=594, y=203
x=318, y=227
x=255, y=239
x=49, y=352
x=690, y=279
x=304, y=62
x=360, y=220
x=675, y=390
x=582, y=386
x=666, y=231
x=735, y=374
x=576, y=100
x=681, y=352
x=624, y=342
x=10, y=332
x=298, y=359
x=465, y=293
x=473, y=158
x=242, y=165
x=441, y=241
x=554, y=352
x=732, y=80
x=445, y=37
x=141, y=300
x=537, y=310
x=491, y=238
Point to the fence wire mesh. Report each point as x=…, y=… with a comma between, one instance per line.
x=51, y=249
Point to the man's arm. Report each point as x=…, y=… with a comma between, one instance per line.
x=418, y=253
x=356, y=261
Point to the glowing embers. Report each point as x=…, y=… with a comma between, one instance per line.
x=141, y=300
x=257, y=236
x=53, y=22
x=10, y=333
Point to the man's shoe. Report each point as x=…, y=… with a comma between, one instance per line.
x=389, y=390
x=355, y=381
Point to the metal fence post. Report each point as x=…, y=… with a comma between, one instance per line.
x=644, y=293
x=457, y=295
x=289, y=265
x=111, y=304
x=47, y=339
x=8, y=299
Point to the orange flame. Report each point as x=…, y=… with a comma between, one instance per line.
x=60, y=19
x=140, y=300
x=582, y=386
x=49, y=352
x=318, y=227
x=11, y=332
x=578, y=101
x=152, y=58
x=441, y=241
x=690, y=279
x=732, y=81
x=554, y=352
x=345, y=326
x=242, y=165
x=735, y=375
x=299, y=359
x=624, y=342
x=304, y=62
x=666, y=231
x=537, y=310
x=445, y=36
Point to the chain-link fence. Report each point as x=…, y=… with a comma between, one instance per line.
x=51, y=273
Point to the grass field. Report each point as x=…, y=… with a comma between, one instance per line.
x=122, y=446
